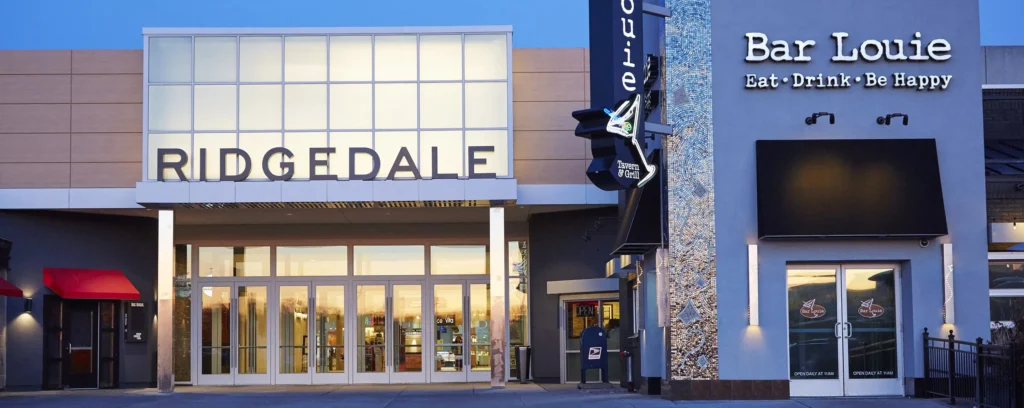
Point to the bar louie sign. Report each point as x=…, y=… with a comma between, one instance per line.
x=277, y=165
x=916, y=50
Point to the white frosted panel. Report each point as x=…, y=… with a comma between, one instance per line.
x=394, y=58
x=215, y=59
x=170, y=59
x=157, y=141
x=389, y=260
x=486, y=57
x=257, y=145
x=342, y=141
x=440, y=57
x=395, y=106
x=299, y=144
x=486, y=105
x=260, y=59
x=215, y=107
x=213, y=142
x=259, y=107
x=170, y=107
x=388, y=144
x=440, y=105
x=351, y=106
x=497, y=161
x=305, y=107
x=449, y=153
x=305, y=58
x=351, y=58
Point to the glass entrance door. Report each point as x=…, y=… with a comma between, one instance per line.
x=389, y=333
x=234, y=334
x=461, y=328
x=843, y=329
x=293, y=341
x=580, y=314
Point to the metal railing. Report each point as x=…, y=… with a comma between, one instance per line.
x=985, y=374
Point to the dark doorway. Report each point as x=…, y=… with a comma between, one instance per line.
x=81, y=343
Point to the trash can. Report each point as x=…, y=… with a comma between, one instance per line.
x=630, y=364
x=523, y=363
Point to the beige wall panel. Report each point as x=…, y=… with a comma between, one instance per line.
x=545, y=115
x=551, y=171
x=586, y=59
x=35, y=88
x=106, y=61
x=586, y=87
x=35, y=62
x=38, y=118
x=106, y=147
x=34, y=175
x=95, y=175
x=102, y=118
x=547, y=59
x=548, y=145
x=120, y=88
x=35, y=148
x=547, y=87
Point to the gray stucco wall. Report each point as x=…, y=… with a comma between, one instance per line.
x=953, y=117
x=559, y=252
x=52, y=239
x=1003, y=65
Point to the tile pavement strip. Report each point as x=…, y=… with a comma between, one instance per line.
x=415, y=396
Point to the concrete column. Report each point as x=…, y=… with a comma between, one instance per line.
x=498, y=306
x=165, y=301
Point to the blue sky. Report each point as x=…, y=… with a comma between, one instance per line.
x=117, y=24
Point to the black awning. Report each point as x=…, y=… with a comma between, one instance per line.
x=640, y=215
x=849, y=189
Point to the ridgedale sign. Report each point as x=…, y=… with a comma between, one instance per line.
x=177, y=160
x=916, y=50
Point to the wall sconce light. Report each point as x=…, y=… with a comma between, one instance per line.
x=947, y=284
x=887, y=119
x=813, y=119
x=754, y=318
x=28, y=305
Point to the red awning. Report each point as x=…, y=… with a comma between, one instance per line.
x=89, y=284
x=8, y=289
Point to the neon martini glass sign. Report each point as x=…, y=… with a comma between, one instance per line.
x=622, y=123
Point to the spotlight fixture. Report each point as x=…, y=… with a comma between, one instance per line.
x=813, y=119
x=887, y=119
x=28, y=305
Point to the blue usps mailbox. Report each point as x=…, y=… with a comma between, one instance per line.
x=593, y=353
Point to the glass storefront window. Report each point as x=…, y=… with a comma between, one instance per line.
x=1005, y=309
x=1006, y=275
x=458, y=260
x=479, y=327
x=312, y=261
x=330, y=329
x=234, y=261
x=252, y=329
x=389, y=260
x=182, y=313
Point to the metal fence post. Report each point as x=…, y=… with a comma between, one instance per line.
x=1014, y=390
x=927, y=367
x=952, y=368
x=979, y=372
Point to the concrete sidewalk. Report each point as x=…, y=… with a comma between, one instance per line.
x=403, y=396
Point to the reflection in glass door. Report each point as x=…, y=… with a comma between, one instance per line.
x=329, y=335
x=252, y=332
x=449, y=333
x=843, y=328
x=293, y=346
x=215, y=339
x=479, y=332
x=389, y=333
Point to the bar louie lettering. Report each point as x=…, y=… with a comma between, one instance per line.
x=759, y=50
x=319, y=157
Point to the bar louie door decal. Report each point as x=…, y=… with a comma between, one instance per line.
x=843, y=336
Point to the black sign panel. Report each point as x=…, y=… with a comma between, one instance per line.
x=135, y=319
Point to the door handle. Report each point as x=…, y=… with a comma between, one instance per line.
x=835, y=330
x=849, y=329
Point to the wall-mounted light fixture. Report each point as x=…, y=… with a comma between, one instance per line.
x=887, y=119
x=754, y=318
x=813, y=119
x=947, y=284
x=28, y=305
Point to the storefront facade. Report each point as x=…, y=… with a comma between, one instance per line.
x=406, y=205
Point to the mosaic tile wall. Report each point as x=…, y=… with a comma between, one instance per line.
x=691, y=206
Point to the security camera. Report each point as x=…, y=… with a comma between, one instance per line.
x=923, y=243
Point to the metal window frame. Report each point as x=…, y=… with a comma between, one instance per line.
x=328, y=33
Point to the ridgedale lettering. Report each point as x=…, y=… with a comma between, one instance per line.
x=761, y=50
x=319, y=158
